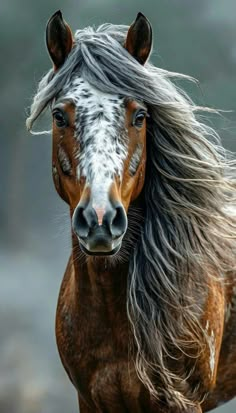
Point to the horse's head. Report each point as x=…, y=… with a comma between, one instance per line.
x=99, y=144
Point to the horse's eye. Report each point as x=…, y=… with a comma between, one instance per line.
x=59, y=118
x=138, y=118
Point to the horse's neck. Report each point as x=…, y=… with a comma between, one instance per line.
x=100, y=286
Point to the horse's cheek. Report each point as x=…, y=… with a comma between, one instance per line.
x=59, y=187
x=139, y=182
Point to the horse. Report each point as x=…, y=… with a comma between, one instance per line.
x=146, y=315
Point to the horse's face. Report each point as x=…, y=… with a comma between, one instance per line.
x=99, y=154
x=99, y=149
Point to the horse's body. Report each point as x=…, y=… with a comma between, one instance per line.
x=146, y=317
x=93, y=340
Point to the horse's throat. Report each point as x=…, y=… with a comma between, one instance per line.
x=101, y=287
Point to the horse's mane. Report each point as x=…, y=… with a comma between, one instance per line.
x=188, y=235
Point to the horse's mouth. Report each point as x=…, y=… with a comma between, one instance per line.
x=100, y=253
x=99, y=243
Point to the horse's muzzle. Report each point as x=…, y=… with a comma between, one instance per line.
x=99, y=233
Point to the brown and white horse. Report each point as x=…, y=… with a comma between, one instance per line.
x=146, y=317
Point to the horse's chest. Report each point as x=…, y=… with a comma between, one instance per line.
x=114, y=387
x=95, y=354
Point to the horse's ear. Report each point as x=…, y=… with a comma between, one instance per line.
x=59, y=39
x=139, y=39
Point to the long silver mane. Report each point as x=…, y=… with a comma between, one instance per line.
x=189, y=228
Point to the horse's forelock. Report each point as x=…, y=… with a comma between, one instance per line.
x=100, y=58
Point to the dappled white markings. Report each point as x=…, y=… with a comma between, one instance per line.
x=100, y=129
x=100, y=188
x=135, y=160
x=212, y=347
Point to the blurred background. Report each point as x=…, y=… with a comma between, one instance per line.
x=193, y=37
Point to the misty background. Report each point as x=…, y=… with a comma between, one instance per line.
x=193, y=37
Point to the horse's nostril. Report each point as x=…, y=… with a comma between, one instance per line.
x=79, y=223
x=119, y=223
x=90, y=216
x=84, y=219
